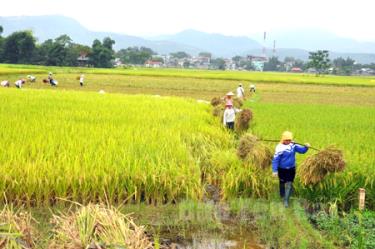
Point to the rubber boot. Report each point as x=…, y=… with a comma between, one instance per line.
x=288, y=192
x=282, y=188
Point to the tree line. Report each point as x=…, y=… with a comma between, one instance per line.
x=320, y=62
x=21, y=47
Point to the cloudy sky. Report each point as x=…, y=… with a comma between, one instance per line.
x=347, y=18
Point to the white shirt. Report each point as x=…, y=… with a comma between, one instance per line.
x=81, y=78
x=230, y=115
x=18, y=83
x=252, y=87
x=4, y=83
x=240, y=92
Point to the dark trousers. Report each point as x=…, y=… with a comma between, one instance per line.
x=230, y=125
x=285, y=175
x=81, y=83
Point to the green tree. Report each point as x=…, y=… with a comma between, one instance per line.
x=1, y=43
x=218, y=63
x=273, y=64
x=135, y=55
x=19, y=47
x=180, y=55
x=205, y=54
x=102, y=54
x=319, y=60
x=343, y=66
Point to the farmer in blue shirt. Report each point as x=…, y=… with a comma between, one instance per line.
x=284, y=163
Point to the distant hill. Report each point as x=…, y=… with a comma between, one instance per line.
x=288, y=43
x=314, y=39
x=50, y=27
x=217, y=44
x=302, y=54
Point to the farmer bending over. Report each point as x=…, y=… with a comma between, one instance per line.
x=240, y=92
x=31, y=78
x=81, y=79
x=5, y=83
x=19, y=83
x=284, y=164
x=51, y=80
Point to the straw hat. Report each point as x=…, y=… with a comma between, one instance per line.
x=230, y=94
x=287, y=135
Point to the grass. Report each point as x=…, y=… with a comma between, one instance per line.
x=268, y=77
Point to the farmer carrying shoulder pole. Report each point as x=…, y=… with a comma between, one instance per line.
x=284, y=164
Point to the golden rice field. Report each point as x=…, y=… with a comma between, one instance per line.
x=87, y=146
x=73, y=143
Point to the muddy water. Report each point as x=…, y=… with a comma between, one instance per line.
x=217, y=242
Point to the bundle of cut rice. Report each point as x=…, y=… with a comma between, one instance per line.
x=317, y=166
x=243, y=120
x=97, y=227
x=251, y=149
x=16, y=230
x=215, y=101
x=218, y=111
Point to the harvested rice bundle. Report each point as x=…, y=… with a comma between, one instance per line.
x=218, y=111
x=252, y=150
x=243, y=120
x=215, y=101
x=97, y=227
x=317, y=166
x=16, y=229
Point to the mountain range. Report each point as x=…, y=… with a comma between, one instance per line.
x=289, y=43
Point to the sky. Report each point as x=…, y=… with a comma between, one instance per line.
x=346, y=18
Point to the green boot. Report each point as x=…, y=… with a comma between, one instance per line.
x=288, y=192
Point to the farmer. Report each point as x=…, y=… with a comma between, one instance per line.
x=31, y=78
x=5, y=83
x=81, y=79
x=51, y=80
x=240, y=92
x=284, y=163
x=252, y=88
x=228, y=98
x=229, y=116
x=19, y=83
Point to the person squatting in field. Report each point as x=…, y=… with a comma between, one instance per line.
x=229, y=115
x=81, y=79
x=284, y=164
x=52, y=81
x=19, y=83
x=5, y=83
x=252, y=88
x=31, y=78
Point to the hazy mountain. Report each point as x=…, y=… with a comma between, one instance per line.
x=302, y=54
x=314, y=39
x=47, y=27
x=219, y=45
x=288, y=43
